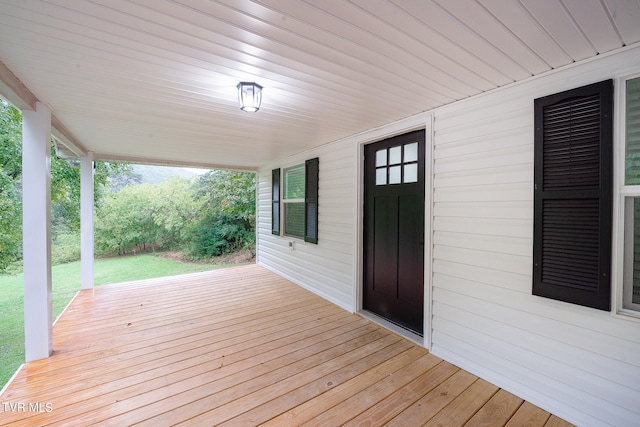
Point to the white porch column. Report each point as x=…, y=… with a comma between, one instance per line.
x=36, y=234
x=86, y=222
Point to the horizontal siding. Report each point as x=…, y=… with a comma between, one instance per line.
x=489, y=243
x=460, y=340
x=325, y=268
x=498, y=278
x=485, y=177
x=579, y=363
x=479, y=161
x=484, y=226
x=509, y=192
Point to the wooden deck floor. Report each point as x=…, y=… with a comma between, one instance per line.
x=241, y=347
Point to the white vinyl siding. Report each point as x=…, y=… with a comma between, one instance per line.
x=580, y=363
x=325, y=268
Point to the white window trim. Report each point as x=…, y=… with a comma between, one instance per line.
x=621, y=194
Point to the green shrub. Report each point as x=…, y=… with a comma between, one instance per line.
x=65, y=248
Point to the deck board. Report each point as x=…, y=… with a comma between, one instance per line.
x=238, y=347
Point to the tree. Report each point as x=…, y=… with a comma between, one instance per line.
x=124, y=221
x=174, y=207
x=65, y=188
x=10, y=222
x=10, y=185
x=227, y=214
x=229, y=193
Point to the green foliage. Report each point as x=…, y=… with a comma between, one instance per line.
x=10, y=222
x=10, y=184
x=227, y=214
x=229, y=192
x=65, y=191
x=174, y=208
x=206, y=217
x=124, y=220
x=65, y=247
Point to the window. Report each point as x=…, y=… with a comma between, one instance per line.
x=573, y=152
x=397, y=165
x=631, y=195
x=299, y=201
x=293, y=201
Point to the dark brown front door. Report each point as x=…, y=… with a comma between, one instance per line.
x=394, y=230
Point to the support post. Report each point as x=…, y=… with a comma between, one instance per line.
x=36, y=234
x=86, y=222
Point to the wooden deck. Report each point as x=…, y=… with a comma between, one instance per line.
x=241, y=347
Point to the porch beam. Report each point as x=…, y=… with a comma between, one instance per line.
x=15, y=91
x=63, y=137
x=86, y=222
x=36, y=225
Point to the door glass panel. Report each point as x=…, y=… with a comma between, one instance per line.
x=395, y=155
x=411, y=173
x=405, y=169
x=394, y=175
x=411, y=152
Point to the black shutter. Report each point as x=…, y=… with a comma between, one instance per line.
x=573, y=195
x=275, y=201
x=311, y=200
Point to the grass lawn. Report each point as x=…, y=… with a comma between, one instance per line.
x=65, y=284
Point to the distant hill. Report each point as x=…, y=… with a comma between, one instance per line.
x=156, y=174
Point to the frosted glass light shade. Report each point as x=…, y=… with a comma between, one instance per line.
x=249, y=96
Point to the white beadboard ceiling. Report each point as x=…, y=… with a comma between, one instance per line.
x=155, y=80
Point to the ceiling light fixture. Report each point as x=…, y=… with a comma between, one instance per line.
x=250, y=96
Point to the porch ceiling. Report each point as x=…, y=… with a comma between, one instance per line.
x=154, y=80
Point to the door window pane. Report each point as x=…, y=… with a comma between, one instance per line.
x=411, y=173
x=397, y=164
x=411, y=152
x=394, y=175
x=395, y=155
